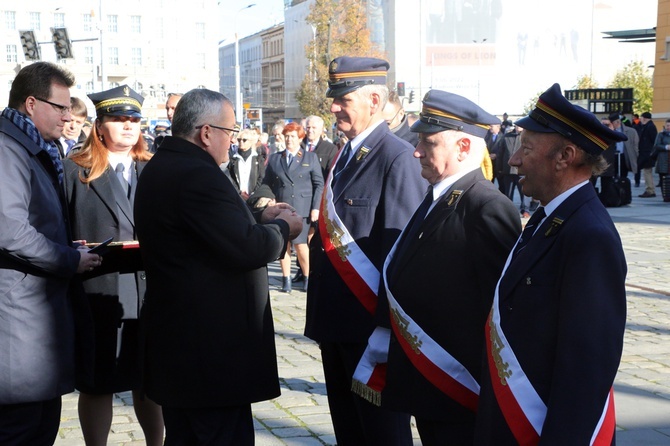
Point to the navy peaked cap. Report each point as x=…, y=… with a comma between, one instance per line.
x=553, y=113
x=118, y=101
x=442, y=111
x=346, y=74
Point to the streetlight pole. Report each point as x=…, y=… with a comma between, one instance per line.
x=239, y=115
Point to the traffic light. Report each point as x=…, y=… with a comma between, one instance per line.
x=31, y=49
x=62, y=43
x=401, y=89
x=411, y=96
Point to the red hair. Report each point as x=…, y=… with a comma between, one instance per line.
x=294, y=127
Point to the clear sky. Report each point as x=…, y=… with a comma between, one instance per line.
x=246, y=21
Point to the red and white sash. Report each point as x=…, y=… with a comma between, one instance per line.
x=350, y=262
x=432, y=361
x=522, y=407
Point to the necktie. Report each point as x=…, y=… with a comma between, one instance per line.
x=289, y=158
x=69, y=143
x=311, y=147
x=342, y=162
x=122, y=179
x=529, y=230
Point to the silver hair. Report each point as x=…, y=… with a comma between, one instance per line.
x=317, y=119
x=381, y=90
x=197, y=107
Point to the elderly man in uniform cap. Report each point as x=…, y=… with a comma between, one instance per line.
x=459, y=236
x=555, y=332
x=372, y=190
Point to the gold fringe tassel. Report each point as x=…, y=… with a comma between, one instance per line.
x=365, y=392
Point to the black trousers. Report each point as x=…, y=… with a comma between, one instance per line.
x=211, y=426
x=356, y=421
x=34, y=424
x=440, y=433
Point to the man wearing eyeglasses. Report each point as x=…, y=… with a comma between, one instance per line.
x=394, y=115
x=37, y=258
x=209, y=339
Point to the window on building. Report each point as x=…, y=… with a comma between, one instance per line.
x=136, y=54
x=200, y=60
x=136, y=24
x=114, y=84
x=10, y=20
x=35, y=21
x=12, y=55
x=88, y=22
x=59, y=20
x=200, y=31
x=88, y=55
x=89, y=87
x=113, y=55
x=113, y=23
x=160, y=58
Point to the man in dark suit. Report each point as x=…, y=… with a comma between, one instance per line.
x=315, y=142
x=373, y=190
x=437, y=339
x=554, y=336
x=209, y=340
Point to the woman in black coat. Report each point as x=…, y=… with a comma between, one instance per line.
x=100, y=181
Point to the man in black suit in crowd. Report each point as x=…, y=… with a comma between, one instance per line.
x=395, y=117
x=209, y=339
x=373, y=189
x=460, y=236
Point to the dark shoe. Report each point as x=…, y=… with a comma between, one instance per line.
x=647, y=195
x=299, y=277
x=286, y=284
x=305, y=283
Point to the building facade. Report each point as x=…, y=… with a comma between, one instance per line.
x=155, y=46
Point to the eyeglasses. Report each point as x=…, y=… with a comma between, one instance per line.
x=198, y=127
x=62, y=109
x=243, y=140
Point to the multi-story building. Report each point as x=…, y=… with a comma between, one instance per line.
x=155, y=46
x=272, y=80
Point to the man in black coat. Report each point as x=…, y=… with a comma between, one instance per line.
x=209, y=339
x=315, y=142
x=442, y=272
x=645, y=160
x=395, y=117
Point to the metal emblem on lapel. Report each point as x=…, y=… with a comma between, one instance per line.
x=362, y=153
x=555, y=226
x=454, y=197
x=528, y=281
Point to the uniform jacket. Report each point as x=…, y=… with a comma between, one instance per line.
x=563, y=311
x=99, y=210
x=326, y=152
x=403, y=132
x=300, y=184
x=209, y=336
x=662, y=140
x=36, y=265
x=445, y=281
x=375, y=195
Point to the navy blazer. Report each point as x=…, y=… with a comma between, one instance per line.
x=444, y=279
x=563, y=311
x=326, y=152
x=375, y=195
x=300, y=184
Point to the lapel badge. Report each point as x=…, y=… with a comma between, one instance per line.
x=555, y=226
x=362, y=153
x=454, y=197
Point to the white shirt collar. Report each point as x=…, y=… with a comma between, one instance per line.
x=443, y=186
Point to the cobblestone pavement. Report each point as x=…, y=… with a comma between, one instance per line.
x=300, y=415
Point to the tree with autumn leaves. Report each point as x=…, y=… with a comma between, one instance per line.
x=341, y=30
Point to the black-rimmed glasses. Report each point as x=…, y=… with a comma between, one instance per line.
x=198, y=127
x=62, y=109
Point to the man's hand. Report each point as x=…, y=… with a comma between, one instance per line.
x=272, y=212
x=87, y=261
x=314, y=215
x=294, y=222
